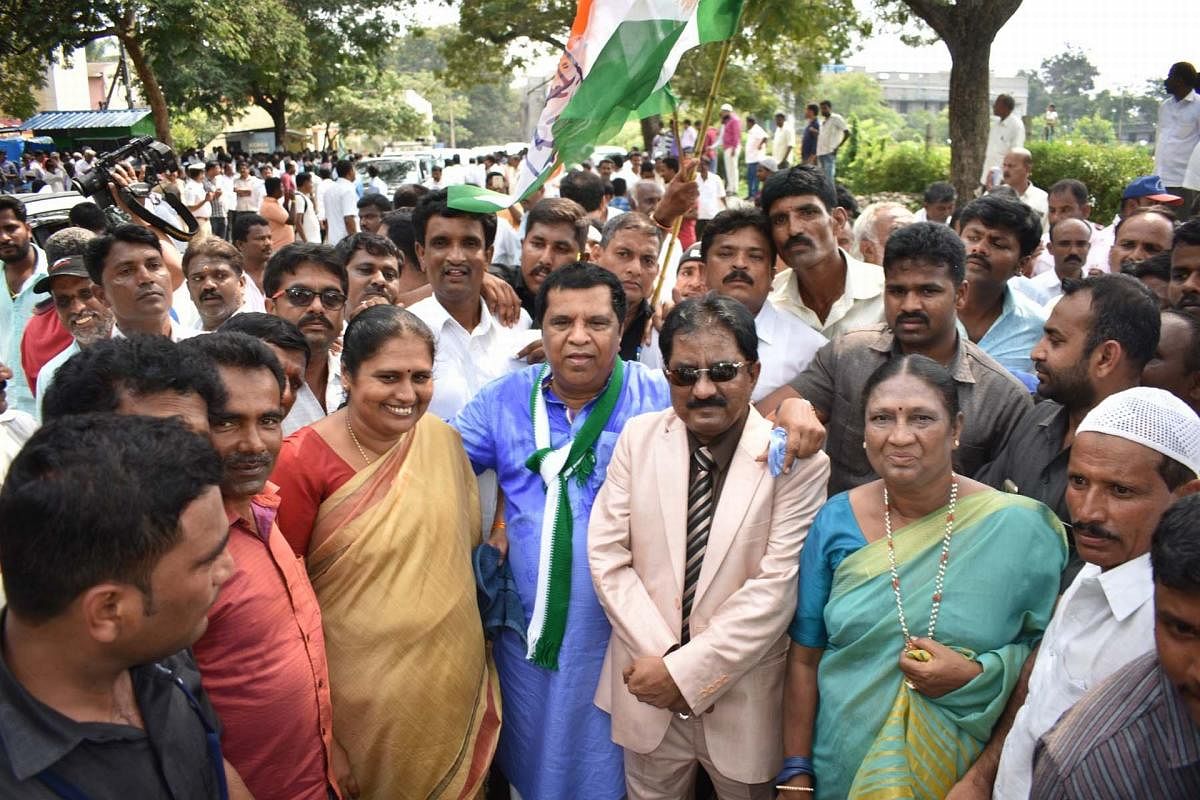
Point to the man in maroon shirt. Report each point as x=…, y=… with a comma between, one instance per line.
x=262, y=659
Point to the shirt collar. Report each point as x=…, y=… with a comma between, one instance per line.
x=264, y=506
x=1182, y=734
x=960, y=367
x=37, y=736
x=1127, y=587
x=438, y=316
x=765, y=321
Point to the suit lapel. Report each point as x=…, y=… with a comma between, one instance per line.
x=737, y=496
x=671, y=470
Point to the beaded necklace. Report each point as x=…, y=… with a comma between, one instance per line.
x=938, y=581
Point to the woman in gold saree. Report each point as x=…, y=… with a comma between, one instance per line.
x=381, y=501
x=921, y=595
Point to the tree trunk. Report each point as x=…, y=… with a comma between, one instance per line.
x=650, y=128
x=968, y=28
x=275, y=107
x=150, y=85
x=970, y=114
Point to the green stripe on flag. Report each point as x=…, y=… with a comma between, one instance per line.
x=475, y=199
x=716, y=19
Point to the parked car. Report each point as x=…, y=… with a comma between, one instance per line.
x=397, y=170
x=47, y=213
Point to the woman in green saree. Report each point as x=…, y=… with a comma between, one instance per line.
x=921, y=595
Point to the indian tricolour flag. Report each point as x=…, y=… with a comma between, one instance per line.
x=619, y=58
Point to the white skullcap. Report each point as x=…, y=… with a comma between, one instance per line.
x=1152, y=418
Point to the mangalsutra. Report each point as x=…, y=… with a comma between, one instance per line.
x=939, y=580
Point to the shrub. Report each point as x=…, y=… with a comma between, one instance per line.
x=890, y=167
x=1105, y=169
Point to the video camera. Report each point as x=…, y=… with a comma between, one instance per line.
x=168, y=214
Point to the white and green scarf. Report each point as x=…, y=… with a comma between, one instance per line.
x=576, y=458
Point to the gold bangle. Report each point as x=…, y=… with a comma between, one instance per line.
x=795, y=788
x=499, y=525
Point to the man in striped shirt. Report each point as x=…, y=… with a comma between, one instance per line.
x=1138, y=734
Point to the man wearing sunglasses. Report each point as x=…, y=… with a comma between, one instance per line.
x=306, y=284
x=693, y=550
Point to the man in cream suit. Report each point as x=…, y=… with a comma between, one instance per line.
x=694, y=550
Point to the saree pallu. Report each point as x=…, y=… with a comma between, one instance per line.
x=876, y=739
x=415, y=698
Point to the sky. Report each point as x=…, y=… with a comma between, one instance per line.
x=1129, y=41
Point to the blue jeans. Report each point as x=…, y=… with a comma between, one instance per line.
x=751, y=179
x=828, y=164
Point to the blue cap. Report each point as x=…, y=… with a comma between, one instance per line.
x=1150, y=186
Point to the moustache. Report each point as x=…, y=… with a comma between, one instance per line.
x=983, y=261
x=1073, y=260
x=209, y=294
x=314, y=317
x=738, y=276
x=1189, y=300
x=915, y=316
x=797, y=239
x=707, y=402
x=241, y=461
x=1092, y=529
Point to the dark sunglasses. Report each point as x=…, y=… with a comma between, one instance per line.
x=302, y=297
x=720, y=372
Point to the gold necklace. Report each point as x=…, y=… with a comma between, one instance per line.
x=354, y=439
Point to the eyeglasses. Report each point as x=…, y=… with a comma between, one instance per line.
x=302, y=297
x=720, y=372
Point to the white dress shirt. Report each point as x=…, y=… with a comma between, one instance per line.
x=341, y=201
x=860, y=305
x=1004, y=135
x=1178, y=134
x=467, y=361
x=1103, y=621
x=307, y=409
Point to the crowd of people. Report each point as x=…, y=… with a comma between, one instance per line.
x=353, y=495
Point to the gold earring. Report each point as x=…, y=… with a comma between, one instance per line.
x=956, y=442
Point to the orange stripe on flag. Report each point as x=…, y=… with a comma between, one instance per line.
x=582, y=15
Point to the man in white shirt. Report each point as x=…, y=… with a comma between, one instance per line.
x=739, y=262
x=1134, y=453
x=784, y=141
x=1178, y=133
x=198, y=201
x=435, y=179
x=938, y=203
x=249, y=192
x=756, y=150
x=687, y=137
x=304, y=210
x=1070, y=240
x=473, y=348
x=1006, y=133
x=224, y=181
x=712, y=197
x=341, y=204
x=1017, y=169
x=1069, y=199
x=829, y=290
x=834, y=133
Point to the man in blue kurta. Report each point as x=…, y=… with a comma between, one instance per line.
x=548, y=431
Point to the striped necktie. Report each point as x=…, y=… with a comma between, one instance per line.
x=699, y=519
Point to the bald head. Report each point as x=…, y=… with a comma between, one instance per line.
x=646, y=195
